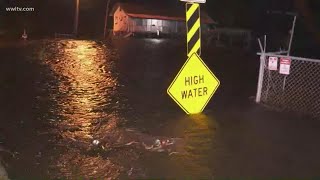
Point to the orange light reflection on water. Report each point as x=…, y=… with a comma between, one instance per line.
x=197, y=132
x=84, y=87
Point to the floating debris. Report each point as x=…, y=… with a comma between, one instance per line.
x=157, y=142
x=172, y=153
x=160, y=146
x=38, y=155
x=96, y=142
x=130, y=130
x=130, y=172
x=131, y=143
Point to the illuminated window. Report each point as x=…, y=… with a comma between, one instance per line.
x=145, y=22
x=168, y=23
x=154, y=22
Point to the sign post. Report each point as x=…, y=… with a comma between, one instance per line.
x=195, y=83
x=193, y=29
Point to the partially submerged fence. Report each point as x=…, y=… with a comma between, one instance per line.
x=297, y=90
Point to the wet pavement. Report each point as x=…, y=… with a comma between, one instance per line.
x=86, y=109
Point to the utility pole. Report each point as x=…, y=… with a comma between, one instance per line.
x=106, y=20
x=76, y=19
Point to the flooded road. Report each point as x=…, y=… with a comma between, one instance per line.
x=75, y=109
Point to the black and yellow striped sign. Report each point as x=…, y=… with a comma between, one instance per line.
x=193, y=29
x=195, y=83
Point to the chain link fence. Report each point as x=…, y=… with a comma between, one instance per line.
x=299, y=91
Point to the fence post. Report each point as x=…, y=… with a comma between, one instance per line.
x=292, y=33
x=261, y=73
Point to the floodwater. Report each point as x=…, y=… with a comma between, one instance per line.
x=75, y=109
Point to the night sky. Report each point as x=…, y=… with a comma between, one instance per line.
x=57, y=15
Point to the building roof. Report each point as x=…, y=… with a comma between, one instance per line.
x=152, y=11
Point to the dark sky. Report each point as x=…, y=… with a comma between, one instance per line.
x=57, y=15
x=60, y=12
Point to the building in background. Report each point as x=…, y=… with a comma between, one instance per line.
x=131, y=19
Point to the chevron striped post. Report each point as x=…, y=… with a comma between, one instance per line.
x=193, y=26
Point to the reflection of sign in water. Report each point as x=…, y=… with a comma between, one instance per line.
x=195, y=1
x=273, y=63
x=285, y=64
x=194, y=86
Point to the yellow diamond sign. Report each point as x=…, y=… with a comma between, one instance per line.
x=193, y=86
